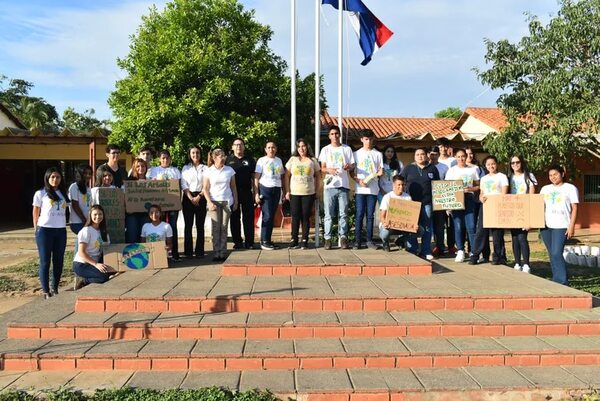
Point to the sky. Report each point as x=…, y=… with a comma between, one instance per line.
x=68, y=49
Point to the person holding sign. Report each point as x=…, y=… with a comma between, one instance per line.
x=384, y=228
x=104, y=179
x=491, y=184
x=369, y=167
x=521, y=182
x=561, y=200
x=135, y=221
x=464, y=219
x=157, y=230
x=167, y=172
x=50, y=222
x=194, y=202
x=336, y=160
x=87, y=264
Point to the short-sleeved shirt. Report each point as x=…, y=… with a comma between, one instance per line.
x=442, y=169
x=368, y=162
x=302, y=175
x=118, y=176
x=467, y=175
x=83, y=200
x=220, y=184
x=244, y=168
x=559, y=200
x=337, y=157
x=162, y=173
x=492, y=184
x=52, y=213
x=157, y=233
x=95, y=196
x=385, y=181
x=519, y=186
x=385, y=201
x=449, y=162
x=192, y=177
x=270, y=170
x=93, y=238
x=418, y=181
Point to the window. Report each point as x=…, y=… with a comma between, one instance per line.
x=591, y=188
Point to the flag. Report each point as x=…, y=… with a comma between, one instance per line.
x=371, y=32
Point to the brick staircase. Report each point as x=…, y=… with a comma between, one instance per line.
x=464, y=332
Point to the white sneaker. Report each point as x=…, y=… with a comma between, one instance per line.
x=526, y=269
x=460, y=256
x=429, y=257
x=481, y=259
x=517, y=267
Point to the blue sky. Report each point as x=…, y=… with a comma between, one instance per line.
x=68, y=49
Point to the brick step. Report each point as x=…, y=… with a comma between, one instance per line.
x=290, y=325
x=422, y=268
x=300, y=354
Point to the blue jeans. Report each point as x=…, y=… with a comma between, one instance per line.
x=554, y=239
x=425, y=227
x=385, y=235
x=464, y=219
x=51, y=244
x=271, y=198
x=365, y=204
x=336, y=204
x=89, y=273
x=76, y=227
x=133, y=226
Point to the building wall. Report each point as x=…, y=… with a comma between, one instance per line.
x=473, y=126
x=6, y=122
x=45, y=151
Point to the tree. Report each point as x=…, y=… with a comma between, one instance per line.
x=449, y=112
x=552, y=78
x=82, y=121
x=201, y=72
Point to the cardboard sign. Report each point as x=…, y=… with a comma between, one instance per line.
x=136, y=256
x=514, y=211
x=448, y=195
x=140, y=194
x=403, y=215
x=112, y=201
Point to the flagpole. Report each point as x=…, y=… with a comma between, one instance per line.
x=293, y=78
x=317, y=104
x=340, y=65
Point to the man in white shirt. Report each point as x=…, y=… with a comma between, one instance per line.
x=444, y=148
x=336, y=161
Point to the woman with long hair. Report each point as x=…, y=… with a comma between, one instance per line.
x=391, y=167
x=135, y=221
x=80, y=194
x=49, y=222
x=302, y=175
x=194, y=202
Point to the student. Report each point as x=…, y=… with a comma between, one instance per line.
x=521, y=182
x=80, y=194
x=112, y=154
x=491, y=184
x=104, y=179
x=157, y=230
x=49, y=222
x=167, y=172
x=88, y=264
x=302, y=176
x=222, y=198
x=369, y=167
x=135, y=221
x=464, y=219
x=397, y=193
x=336, y=161
x=472, y=161
x=146, y=154
x=440, y=218
x=445, y=156
x=391, y=167
x=561, y=200
x=268, y=182
x=194, y=202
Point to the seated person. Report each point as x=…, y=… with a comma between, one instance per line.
x=157, y=230
x=385, y=232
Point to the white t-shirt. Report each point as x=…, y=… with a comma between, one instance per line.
x=558, y=201
x=162, y=173
x=385, y=181
x=492, y=184
x=337, y=157
x=94, y=196
x=92, y=237
x=52, y=213
x=220, y=184
x=270, y=170
x=449, y=162
x=153, y=233
x=442, y=169
x=518, y=185
x=82, y=200
x=192, y=176
x=385, y=201
x=467, y=174
x=368, y=162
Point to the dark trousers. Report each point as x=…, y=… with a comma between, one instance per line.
x=301, y=208
x=520, y=246
x=482, y=239
x=51, y=244
x=89, y=273
x=271, y=197
x=172, y=220
x=478, y=209
x=438, y=226
x=191, y=211
x=245, y=212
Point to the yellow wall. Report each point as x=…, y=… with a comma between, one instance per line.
x=53, y=152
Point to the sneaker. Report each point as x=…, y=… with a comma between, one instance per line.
x=460, y=256
x=47, y=295
x=266, y=246
x=400, y=241
x=356, y=246
x=517, y=267
x=79, y=283
x=429, y=257
x=386, y=246
x=343, y=243
x=473, y=261
x=481, y=259
x=436, y=251
x=294, y=245
x=452, y=250
x=304, y=245
x=327, y=245
x=237, y=246
x=371, y=245
x=526, y=269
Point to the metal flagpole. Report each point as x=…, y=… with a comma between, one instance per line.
x=293, y=77
x=317, y=105
x=340, y=64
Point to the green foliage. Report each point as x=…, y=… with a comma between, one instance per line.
x=8, y=284
x=201, y=71
x=449, y=112
x=82, y=121
x=552, y=79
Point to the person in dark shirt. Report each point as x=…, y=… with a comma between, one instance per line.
x=119, y=173
x=418, y=176
x=244, y=166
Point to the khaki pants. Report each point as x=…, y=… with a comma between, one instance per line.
x=220, y=221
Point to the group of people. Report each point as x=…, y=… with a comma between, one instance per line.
x=231, y=186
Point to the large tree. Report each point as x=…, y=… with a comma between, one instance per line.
x=201, y=71
x=449, y=112
x=552, y=79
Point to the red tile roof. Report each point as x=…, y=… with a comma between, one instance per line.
x=385, y=127
x=492, y=116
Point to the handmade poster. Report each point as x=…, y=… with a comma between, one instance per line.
x=141, y=194
x=514, y=211
x=448, y=195
x=403, y=215
x=112, y=201
x=136, y=256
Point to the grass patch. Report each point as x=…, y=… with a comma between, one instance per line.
x=30, y=268
x=9, y=284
